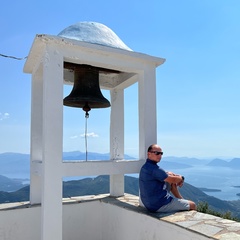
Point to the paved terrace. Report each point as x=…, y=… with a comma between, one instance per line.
x=205, y=225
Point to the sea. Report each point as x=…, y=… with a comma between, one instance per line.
x=225, y=179
x=221, y=182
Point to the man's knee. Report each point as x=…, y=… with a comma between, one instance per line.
x=192, y=206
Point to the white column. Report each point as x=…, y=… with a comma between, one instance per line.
x=117, y=139
x=52, y=132
x=147, y=110
x=36, y=136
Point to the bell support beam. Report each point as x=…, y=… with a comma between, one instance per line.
x=36, y=136
x=52, y=137
x=117, y=139
x=147, y=110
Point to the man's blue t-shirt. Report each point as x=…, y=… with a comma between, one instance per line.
x=153, y=189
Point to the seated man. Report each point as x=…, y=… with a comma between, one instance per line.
x=155, y=185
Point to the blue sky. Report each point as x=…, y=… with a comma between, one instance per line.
x=197, y=87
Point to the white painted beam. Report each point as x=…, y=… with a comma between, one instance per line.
x=95, y=168
x=52, y=145
x=36, y=135
x=147, y=110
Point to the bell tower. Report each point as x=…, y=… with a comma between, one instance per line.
x=57, y=60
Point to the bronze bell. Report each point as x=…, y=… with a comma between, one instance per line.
x=86, y=93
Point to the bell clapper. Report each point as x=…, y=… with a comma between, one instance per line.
x=86, y=108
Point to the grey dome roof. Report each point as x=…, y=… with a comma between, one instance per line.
x=93, y=32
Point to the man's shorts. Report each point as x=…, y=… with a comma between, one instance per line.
x=175, y=205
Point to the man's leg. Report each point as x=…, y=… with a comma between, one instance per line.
x=175, y=192
x=175, y=205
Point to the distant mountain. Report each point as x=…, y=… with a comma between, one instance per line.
x=9, y=185
x=100, y=184
x=234, y=163
x=218, y=163
x=186, y=160
x=10, y=156
x=172, y=165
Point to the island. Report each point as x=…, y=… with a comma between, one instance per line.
x=210, y=190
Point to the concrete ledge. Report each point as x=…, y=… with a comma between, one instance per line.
x=206, y=225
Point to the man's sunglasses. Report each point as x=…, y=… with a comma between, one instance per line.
x=156, y=152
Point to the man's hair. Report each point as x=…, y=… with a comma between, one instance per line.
x=150, y=147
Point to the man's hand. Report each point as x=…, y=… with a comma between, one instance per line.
x=180, y=184
x=175, y=178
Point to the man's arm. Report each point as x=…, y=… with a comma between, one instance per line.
x=174, y=186
x=174, y=178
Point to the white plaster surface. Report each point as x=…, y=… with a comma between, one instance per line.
x=93, y=32
x=102, y=217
